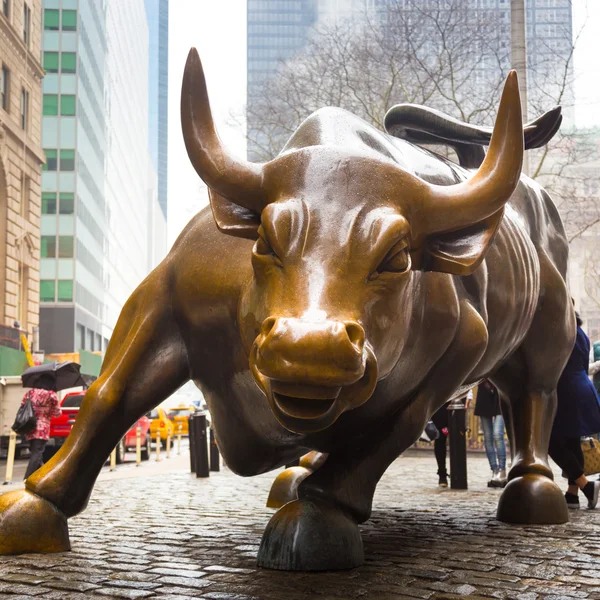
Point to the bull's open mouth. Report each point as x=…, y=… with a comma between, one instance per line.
x=302, y=408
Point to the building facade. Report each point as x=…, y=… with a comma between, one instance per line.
x=21, y=157
x=157, y=12
x=98, y=189
x=73, y=222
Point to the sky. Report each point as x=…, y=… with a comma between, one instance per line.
x=218, y=31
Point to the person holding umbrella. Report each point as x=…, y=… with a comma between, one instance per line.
x=45, y=380
x=45, y=406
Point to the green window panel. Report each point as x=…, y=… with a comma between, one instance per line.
x=51, y=156
x=65, y=290
x=65, y=247
x=48, y=203
x=69, y=20
x=67, y=160
x=47, y=290
x=67, y=203
x=51, y=62
x=51, y=104
x=68, y=62
x=51, y=19
x=67, y=105
x=48, y=246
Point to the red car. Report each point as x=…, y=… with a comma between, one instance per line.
x=60, y=427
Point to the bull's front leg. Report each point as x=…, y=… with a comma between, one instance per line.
x=319, y=530
x=144, y=364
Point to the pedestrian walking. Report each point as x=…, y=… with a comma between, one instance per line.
x=488, y=410
x=440, y=420
x=577, y=415
x=45, y=406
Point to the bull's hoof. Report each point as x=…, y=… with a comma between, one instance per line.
x=308, y=535
x=28, y=523
x=532, y=500
x=285, y=487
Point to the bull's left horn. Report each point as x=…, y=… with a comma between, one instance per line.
x=238, y=181
x=448, y=208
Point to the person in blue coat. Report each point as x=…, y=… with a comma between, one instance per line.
x=577, y=415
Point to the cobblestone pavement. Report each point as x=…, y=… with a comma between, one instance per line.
x=158, y=532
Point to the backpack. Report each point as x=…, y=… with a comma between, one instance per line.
x=25, y=421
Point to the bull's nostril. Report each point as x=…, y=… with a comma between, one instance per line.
x=356, y=334
x=267, y=325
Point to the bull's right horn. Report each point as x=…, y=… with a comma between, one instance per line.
x=238, y=181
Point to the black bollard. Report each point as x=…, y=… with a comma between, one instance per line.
x=201, y=444
x=214, y=452
x=192, y=443
x=458, y=444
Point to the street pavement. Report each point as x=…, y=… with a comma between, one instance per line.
x=158, y=532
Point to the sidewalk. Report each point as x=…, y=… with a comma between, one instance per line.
x=158, y=532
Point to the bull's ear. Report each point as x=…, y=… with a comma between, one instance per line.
x=460, y=252
x=233, y=219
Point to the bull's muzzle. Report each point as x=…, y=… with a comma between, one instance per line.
x=312, y=372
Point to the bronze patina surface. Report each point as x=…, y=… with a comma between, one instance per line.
x=331, y=300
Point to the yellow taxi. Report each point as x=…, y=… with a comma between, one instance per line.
x=179, y=417
x=160, y=422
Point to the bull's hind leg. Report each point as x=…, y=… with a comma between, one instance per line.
x=319, y=530
x=145, y=363
x=529, y=381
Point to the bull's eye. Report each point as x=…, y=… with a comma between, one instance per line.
x=396, y=261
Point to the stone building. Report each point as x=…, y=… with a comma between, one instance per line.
x=21, y=157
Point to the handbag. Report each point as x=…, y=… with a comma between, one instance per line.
x=25, y=421
x=430, y=433
x=591, y=455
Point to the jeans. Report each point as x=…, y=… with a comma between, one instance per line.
x=493, y=438
x=36, y=460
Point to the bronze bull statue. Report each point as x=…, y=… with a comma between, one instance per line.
x=333, y=299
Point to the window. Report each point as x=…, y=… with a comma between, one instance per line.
x=67, y=160
x=26, y=24
x=4, y=88
x=67, y=105
x=51, y=163
x=65, y=248
x=69, y=20
x=6, y=8
x=67, y=203
x=90, y=340
x=50, y=105
x=48, y=246
x=47, y=290
x=24, y=108
x=81, y=336
x=51, y=19
x=48, y=203
x=65, y=291
x=68, y=62
x=51, y=62
x=25, y=193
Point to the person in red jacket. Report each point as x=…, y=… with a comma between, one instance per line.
x=45, y=406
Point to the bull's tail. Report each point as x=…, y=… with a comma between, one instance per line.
x=422, y=125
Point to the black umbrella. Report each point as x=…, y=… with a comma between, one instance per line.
x=53, y=376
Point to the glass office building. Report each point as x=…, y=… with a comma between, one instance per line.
x=73, y=218
x=98, y=185
x=158, y=87
x=279, y=29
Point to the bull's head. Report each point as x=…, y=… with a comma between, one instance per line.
x=340, y=231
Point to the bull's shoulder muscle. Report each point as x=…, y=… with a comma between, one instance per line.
x=208, y=269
